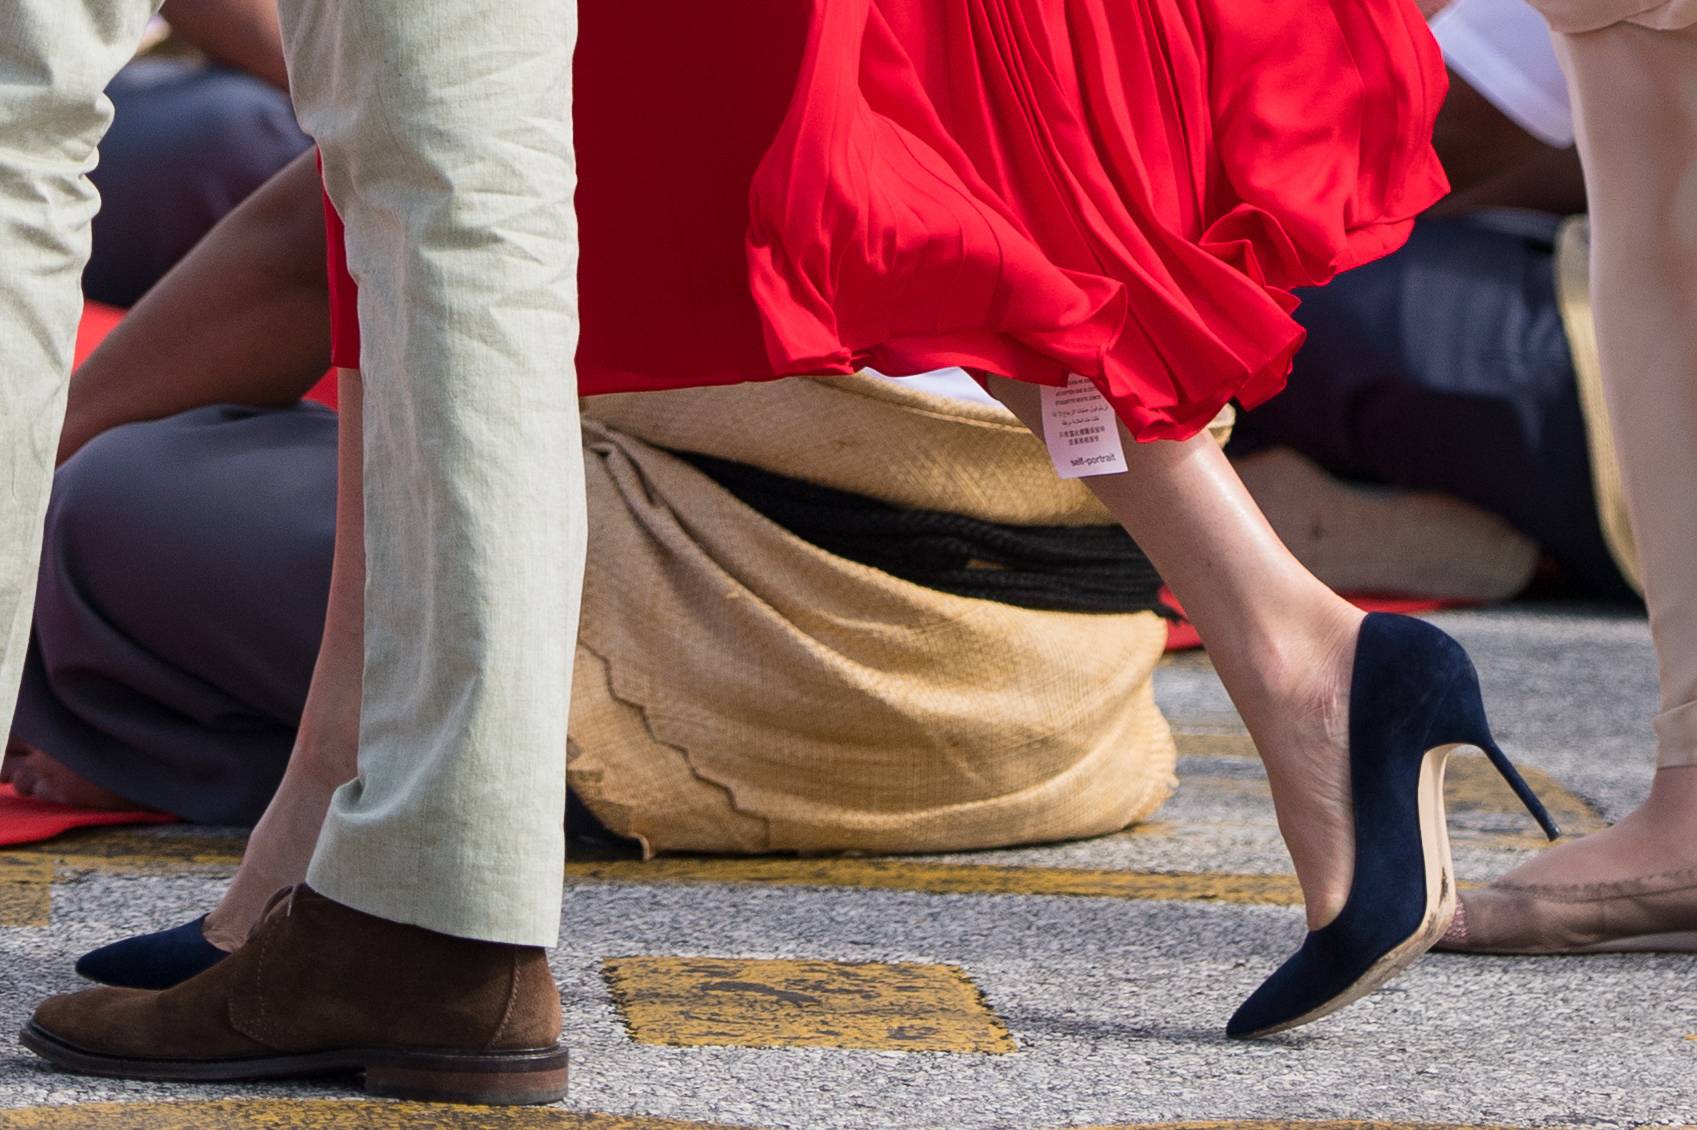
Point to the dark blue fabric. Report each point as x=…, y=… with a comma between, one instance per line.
x=184, y=578
x=153, y=961
x=1413, y=689
x=187, y=144
x=1446, y=367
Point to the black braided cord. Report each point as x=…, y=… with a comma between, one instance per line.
x=1054, y=568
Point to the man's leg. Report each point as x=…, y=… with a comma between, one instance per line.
x=56, y=56
x=445, y=129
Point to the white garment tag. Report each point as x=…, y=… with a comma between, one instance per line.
x=1081, y=430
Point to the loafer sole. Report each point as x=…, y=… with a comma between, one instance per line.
x=511, y=1078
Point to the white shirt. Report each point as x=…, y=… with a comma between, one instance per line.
x=1503, y=49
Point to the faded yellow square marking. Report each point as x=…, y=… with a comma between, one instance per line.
x=26, y=891
x=694, y=1001
x=27, y=871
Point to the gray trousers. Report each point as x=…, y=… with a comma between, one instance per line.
x=445, y=130
x=184, y=580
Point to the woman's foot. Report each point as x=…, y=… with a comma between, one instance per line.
x=1632, y=886
x=1416, y=697
x=154, y=961
x=1660, y=835
x=33, y=774
x=1293, y=695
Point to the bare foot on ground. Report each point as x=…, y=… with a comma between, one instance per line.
x=34, y=774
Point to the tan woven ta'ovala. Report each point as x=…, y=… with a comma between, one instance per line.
x=739, y=690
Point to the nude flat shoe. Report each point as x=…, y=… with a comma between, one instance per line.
x=1650, y=914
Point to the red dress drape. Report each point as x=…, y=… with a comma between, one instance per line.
x=1127, y=189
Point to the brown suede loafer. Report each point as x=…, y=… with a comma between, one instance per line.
x=323, y=989
x=1656, y=913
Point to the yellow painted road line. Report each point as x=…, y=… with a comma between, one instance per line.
x=696, y=1001
x=1470, y=785
x=943, y=878
x=365, y=1114
x=26, y=891
x=1298, y=1124
x=27, y=871
x=324, y=1114
x=125, y=849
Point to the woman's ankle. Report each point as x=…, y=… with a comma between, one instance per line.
x=1670, y=811
x=1296, y=670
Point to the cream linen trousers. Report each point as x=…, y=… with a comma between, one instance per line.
x=445, y=131
x=1632, y=71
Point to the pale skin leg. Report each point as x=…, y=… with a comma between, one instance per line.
x=326, y=746
x=1282, y=642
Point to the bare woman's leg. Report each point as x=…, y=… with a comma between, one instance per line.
x=1283, y=643
x=326, y=746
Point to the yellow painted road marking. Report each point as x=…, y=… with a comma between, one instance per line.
x=125, y=849
x=693, y=1001
x=365, y=1114
x=1211, y=744
x=27, y=871
x=943, y=878
x=1297, y=1124
x=1470, y=785
x=323, y=1114
x=26, y=891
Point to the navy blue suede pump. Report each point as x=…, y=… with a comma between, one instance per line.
x=153, y=961
x=1414, y=698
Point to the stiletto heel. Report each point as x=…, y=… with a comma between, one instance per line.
x=1520, y=787
x=1462, y=722
x=1414, y=699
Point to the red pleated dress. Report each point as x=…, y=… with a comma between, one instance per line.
x=1126, y=189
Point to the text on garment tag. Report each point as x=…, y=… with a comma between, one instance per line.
x=1081, y=430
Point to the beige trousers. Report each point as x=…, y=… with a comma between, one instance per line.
x=1632, y=68
x=56, y=57
x=445, y=132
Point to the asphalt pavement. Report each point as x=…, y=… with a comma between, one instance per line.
x=1079, y=985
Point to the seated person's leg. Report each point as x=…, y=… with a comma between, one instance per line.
x=1446, y=368
x=187, y=144
x=182, y=598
